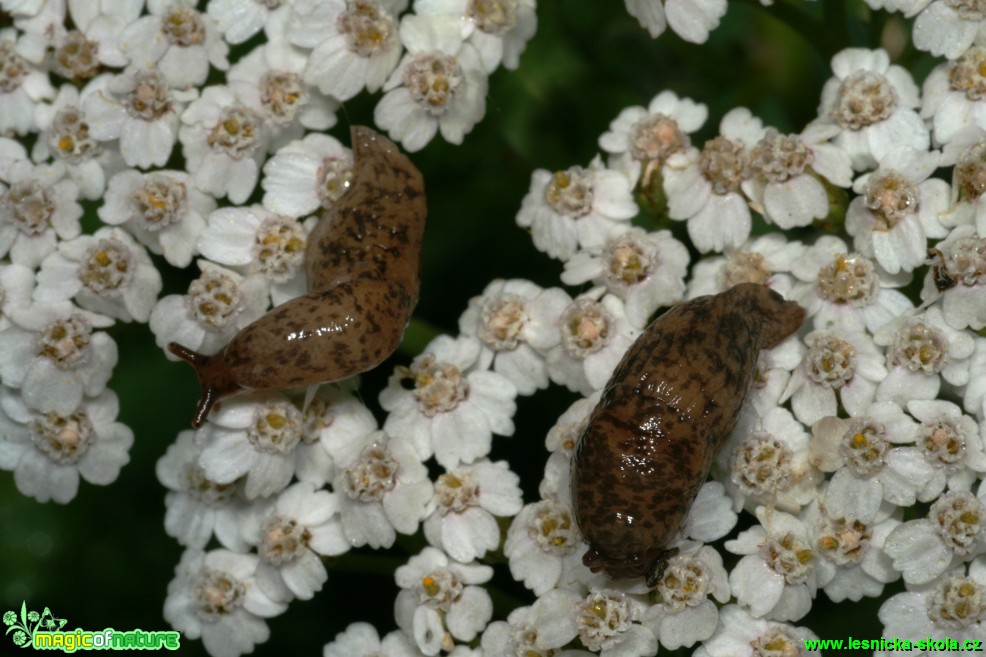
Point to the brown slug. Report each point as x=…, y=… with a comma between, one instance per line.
x=662, y=418
x=363, y=263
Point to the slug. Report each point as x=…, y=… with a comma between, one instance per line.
x=662, y=418
x=363, y=261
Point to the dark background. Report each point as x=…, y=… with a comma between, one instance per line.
x=104, y=560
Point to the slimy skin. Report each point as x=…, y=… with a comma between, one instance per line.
x=363, y=263
x=662, y=419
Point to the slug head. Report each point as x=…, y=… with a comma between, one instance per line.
x=215, y=379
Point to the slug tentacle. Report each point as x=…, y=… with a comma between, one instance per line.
x=363, y=262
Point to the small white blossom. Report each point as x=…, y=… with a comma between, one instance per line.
x=307, y=176
x=456, y=403
x=383, y=489
x=777, y=578
x=953, y=531
x=355, y=43
x=362, y=640
x=608, y=621
x=195, y=506
x=765, y=260
x=948, y=28
x=952, y=94
x=255, y=436
x=224, y=141
x=23, y=84
x=439, y=85
x=646, y=270
x=48, y=452
x=163, y=210
x=291, y=535
x=439, y=593
x=873, y=102
x=468, y=498
x=253, y=240
x=102, y=22
x=956, y=277
x=141, y=110
x=741, y=635
x=897, y=209
x=967, y=152
x=543, y=545
x=577, y=207
x=214, y=596
x=499, y=30
x=179, y=40
x=642, y=139
x=336, y=424
x=951, y=442
x=540, y=629
x=560, y=443
x=692, y=20
x=953, y=607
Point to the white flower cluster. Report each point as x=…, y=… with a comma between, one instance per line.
x=872, y=408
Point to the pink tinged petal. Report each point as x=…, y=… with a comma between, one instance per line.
x=305, y=575
x=470, y=613
x=228, y=457
x=795, y=202
x=918, y=553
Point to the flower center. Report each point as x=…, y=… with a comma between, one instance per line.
x=776, y=642
x=503, y=319
x=214, y=298
x=439, y=387
x=282, y=540
x=864, y=447
x=276, y=428
x=602, y=618
x=183, y=27
x=745, y=267
x=684, y=583
x=831, y=361
x=368, y=28
x=63, y=439
x=963, y=261
x=655, y=138
x=160, y=201
x=920, y=348
x=848, y=279
x=778, y=158
x=373, y=475
x=844, y=542
x=788, y=556
x=586, y=328
x=65, y=342
x=968, y=73
x=218, y=594
x=29, y=206
x=864, y=98
x=433, y=80
x=891, y=197
x=13, y=68
x=150, y=99
x=958, y=518
x=942, y=441
x=279, y=247
x=570, y=192
x=496, y=17
x=551, y=527
x=761, y=465
x=958, y=602
x=77, y=56
x=107, y=267
x=334, y=178
x=282, y=93
x=237, y=133
x=69, y=138
x=455, y=492
x=970, y=171
x=439, y=589
x=722, y=163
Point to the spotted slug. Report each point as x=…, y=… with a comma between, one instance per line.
x=363, y=263
x=662, y=418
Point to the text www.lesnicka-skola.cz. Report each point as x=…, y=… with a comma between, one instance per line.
x=893, y=644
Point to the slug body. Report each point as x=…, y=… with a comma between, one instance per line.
x=664, y=415
x=363, y=263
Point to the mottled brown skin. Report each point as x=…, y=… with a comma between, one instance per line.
x=662, y=418
x=363, y=262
